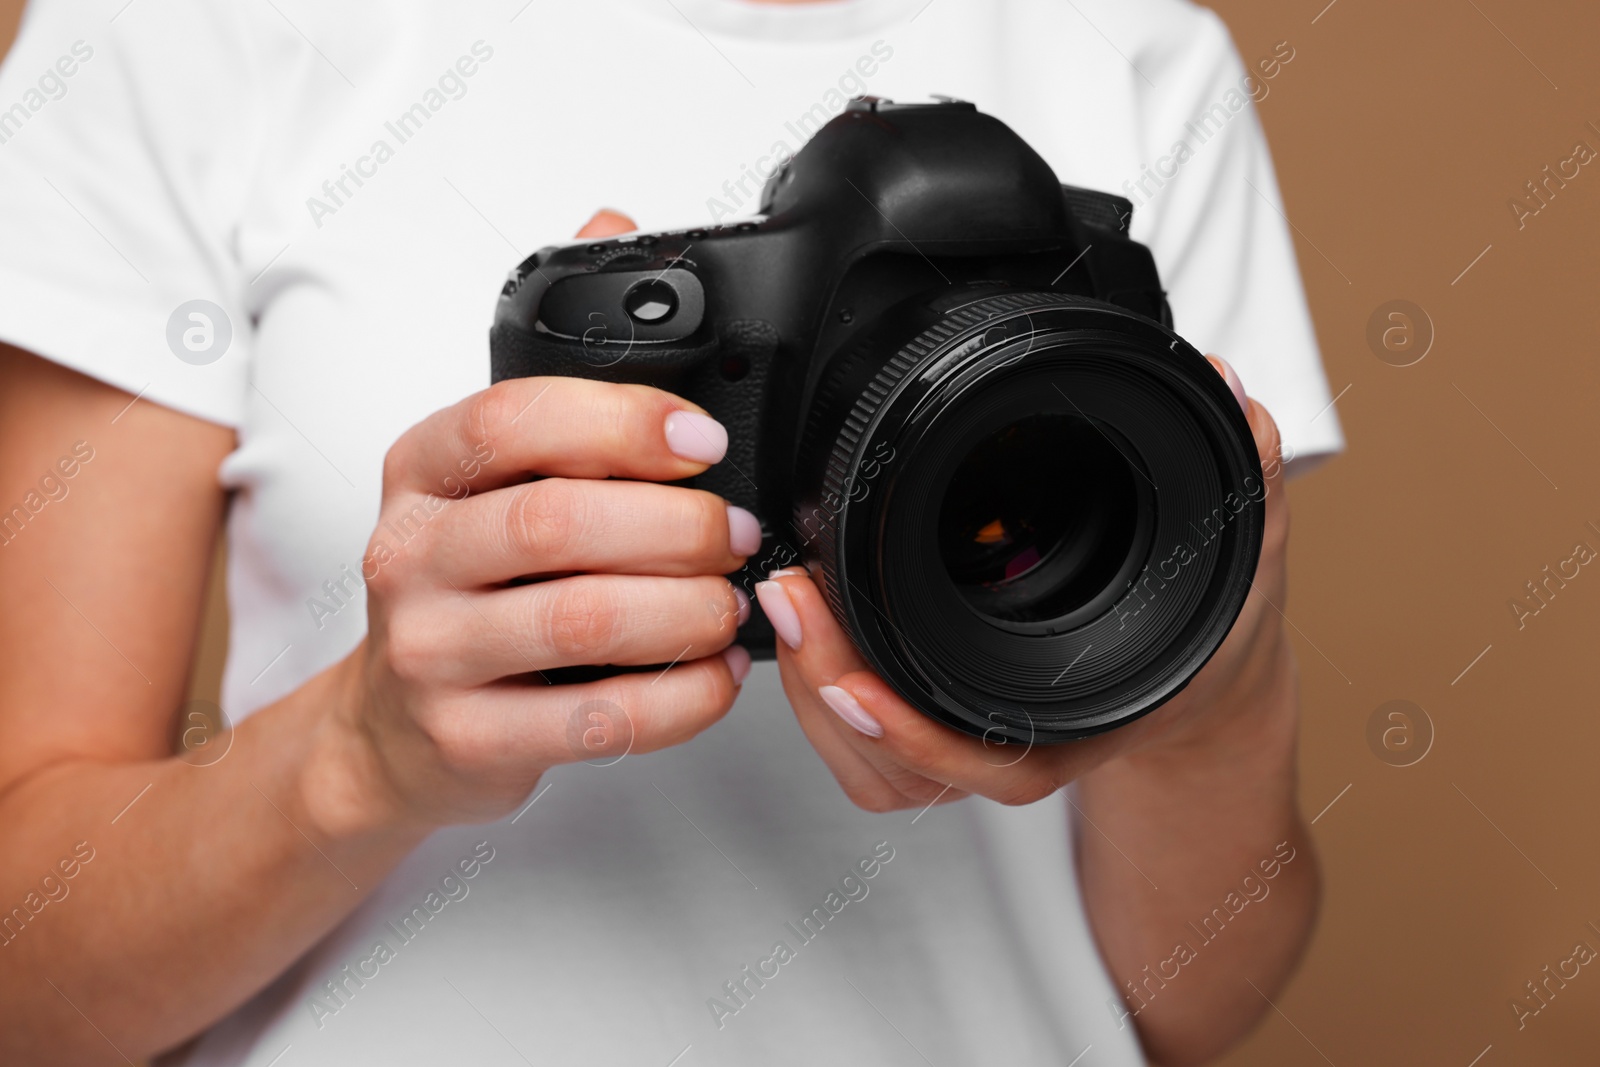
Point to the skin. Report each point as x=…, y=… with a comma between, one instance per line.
x=216, y=878
x=1191, y=799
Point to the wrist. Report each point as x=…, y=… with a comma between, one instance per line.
x=344, y=786
x=1249, y=727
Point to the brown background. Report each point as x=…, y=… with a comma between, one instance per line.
x=1401, y=131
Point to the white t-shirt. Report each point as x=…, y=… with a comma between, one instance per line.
x=168, y=151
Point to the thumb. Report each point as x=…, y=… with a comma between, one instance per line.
x=1269, y=443
x=607, y=223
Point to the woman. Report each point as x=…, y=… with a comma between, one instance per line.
x=400, y=857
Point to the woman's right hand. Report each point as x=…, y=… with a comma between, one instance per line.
x=448, y=718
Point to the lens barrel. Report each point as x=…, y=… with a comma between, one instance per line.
x=1037, y=515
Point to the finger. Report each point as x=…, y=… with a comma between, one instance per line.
x=607, y=223
x=1231, y=376
x=1010, y=773
x=1269, y=441
x=517, y=725
x=895, y=737
x=1263, y=427
x=1269, y=446
x=560, y=525
x=856, y=775
x=808, y=633
x=590, y=619
x=824, y=654
x=870, y=779
x=567, y=427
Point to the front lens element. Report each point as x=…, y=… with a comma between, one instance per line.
x=1039, y=519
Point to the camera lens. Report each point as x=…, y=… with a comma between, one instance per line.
x=1040, y=521
x=1037, y=515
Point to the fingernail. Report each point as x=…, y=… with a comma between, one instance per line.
x=744, y=605
x=744, y=531
x=850, y=710
x=696, y=437
x=786, y=572
x=1232, y=377
x=780, y=612
x=738, y=661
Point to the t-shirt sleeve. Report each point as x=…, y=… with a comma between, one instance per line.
x=1213, y=217
x=123, y=158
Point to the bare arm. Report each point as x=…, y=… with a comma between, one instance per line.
x=103, y=589
x=1198, y=873
x=1193, y=797
x=156, y=895
x=1214, y=917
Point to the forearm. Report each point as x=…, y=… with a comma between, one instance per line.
x=1199, y=875
x=199, y=892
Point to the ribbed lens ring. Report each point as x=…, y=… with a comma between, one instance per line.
x=972, y=373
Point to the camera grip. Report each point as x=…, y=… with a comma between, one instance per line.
x=733, y=386
x=727, y=376
x=515, y=352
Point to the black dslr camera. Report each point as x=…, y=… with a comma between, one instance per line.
x=952, y=392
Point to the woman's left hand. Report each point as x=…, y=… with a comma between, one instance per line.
x=887, y=755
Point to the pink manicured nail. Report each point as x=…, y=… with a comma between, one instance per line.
x=850, y=710
x=696, y=437
x=744, y=605
x=738, y=661
x=780, y=612
x=1232, y=378
x=744, y=531
x=786, y=572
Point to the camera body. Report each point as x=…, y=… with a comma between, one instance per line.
x=907, y=245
